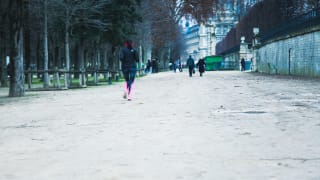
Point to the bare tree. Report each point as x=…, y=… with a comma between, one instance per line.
x=164, y=23
x=75, y=12
x=15, y=10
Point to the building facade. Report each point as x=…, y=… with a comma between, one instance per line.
x=201, y=39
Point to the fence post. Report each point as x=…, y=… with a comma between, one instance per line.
x=117, y=76
x=80, y=78
x=109, y=78
x=56, y=74
x=29, y=78
x=95, y=77
x=65, y=79
x=83, y=78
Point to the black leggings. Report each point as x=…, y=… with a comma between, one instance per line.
x=129, y=75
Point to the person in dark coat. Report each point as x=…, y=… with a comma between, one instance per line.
x=243, y=63
x=128, y=57
x=147, y=70
x=201, y=66
x=190, y=64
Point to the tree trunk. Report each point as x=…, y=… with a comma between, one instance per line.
x=45, y=47
x=81, y=62
x=67, y=49
x=98, y=58
x=57, y=58
x=16, y=88
x=105, y=60
x=3, y=65
x=27, y=38
x=81, y=55
x=39, y=56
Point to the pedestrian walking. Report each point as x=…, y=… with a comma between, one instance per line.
x=190, y=64
x=147, y=70
x=201, y=66
x=174, y=66
x=243, y=63
x=128, y=57
x=179, y=64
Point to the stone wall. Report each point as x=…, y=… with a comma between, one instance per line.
x=231, y=61
x=298, y=54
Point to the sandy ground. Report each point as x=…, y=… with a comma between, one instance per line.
x=225, y=125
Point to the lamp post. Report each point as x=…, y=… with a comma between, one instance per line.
x=255, y=43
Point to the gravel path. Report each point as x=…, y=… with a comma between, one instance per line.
x=225, y=125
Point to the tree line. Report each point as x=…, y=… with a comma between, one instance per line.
x=68, y=34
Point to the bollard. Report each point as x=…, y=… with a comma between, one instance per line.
x=109, y=78
x=95, y=78
x=117, y=77
x=83, y=79
x=65, y=79
x=57, y=79
x=29, y=79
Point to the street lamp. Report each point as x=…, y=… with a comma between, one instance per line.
x=255, y=31
x=255, y=43
x=242, y=39
x=255, y=36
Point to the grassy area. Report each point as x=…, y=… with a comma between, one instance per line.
x=38, y=82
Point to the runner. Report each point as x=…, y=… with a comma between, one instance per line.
x=128, y=57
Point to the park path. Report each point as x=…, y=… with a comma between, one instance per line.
x=225, y=125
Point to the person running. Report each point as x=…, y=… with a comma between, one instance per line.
x=190, y=64
x=128, y=57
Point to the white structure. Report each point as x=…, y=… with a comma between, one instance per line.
x=200, y=41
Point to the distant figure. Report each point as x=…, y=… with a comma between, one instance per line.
x=201, y=66
x=242, y=64
x=128, y=57
x=190, y=64
x=148, y=67
x=174, y=66
x=179, y=64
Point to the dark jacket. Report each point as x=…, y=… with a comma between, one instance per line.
x=128, y=57
x=201, y=65
x=190, y=62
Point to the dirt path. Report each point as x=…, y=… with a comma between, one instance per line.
x=225, y=125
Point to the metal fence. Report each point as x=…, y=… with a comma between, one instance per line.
x=299, y=23
x=63, y=79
